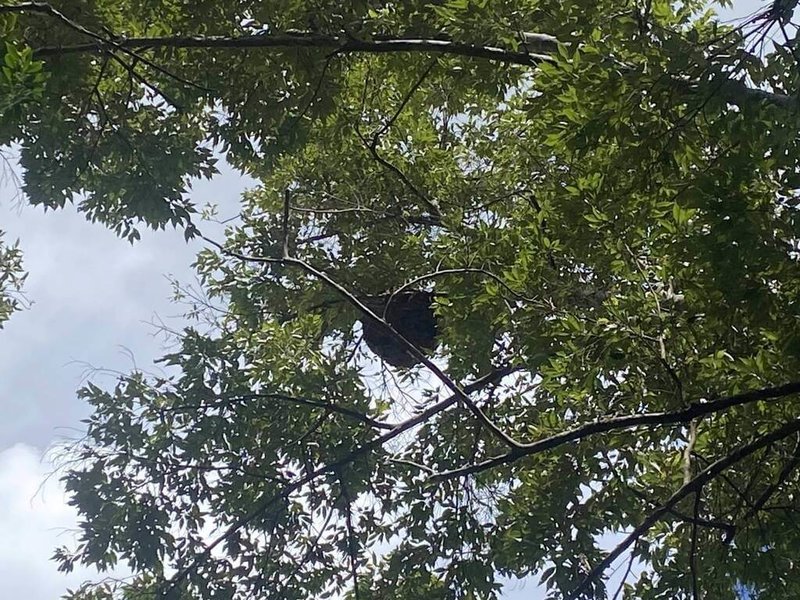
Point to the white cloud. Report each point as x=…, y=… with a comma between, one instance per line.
x=34, y=519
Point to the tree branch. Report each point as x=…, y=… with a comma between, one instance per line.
x=101, y=43
x=543, y=47
x=733, y=91
x=336, y=44
x=465, y=270
x=403, y=103
x=759, y=504
x=697, y=409
x=225, y=400
x=263, y=506
x=372, y=145
x=461, y=395
x=693, y=544
x=727, y=528
x=692, y=487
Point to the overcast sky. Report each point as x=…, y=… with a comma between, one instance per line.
x=94, y=297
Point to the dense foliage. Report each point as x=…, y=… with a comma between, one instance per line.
x=604, y=214
x=21, y=81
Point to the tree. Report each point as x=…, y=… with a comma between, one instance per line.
x=21, y=81
x=602, y=214
x=11, y=279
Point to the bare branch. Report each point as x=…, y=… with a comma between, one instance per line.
x=694, y=410
x=336, y=44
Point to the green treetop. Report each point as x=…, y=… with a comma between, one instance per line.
x=567, y=231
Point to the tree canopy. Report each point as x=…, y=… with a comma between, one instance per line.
x=567, y=230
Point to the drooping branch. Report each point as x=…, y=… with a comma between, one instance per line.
x=692, y=487
x=309, y=269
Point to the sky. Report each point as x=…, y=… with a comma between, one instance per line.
x=95, y=299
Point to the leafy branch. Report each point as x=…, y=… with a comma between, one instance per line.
x=331, y=468
x=731, y=90
x=102, y=43
x=541, y=49
x=694, y=486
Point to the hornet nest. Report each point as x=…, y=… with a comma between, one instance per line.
x=411, y=315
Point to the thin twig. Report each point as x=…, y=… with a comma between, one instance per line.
x=463, y=270
x=411, y=463
x=625, y=576
x=131, y=69
x=727, y=528
x=224, y=400
x=765, y=496
x=372, y=145
x=352, y=548
x=687, y=452
x=314, y=94
x=403, y=103
x=285, y=223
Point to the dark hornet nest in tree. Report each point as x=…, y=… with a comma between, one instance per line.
x=410, y=314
